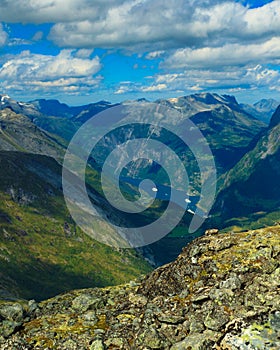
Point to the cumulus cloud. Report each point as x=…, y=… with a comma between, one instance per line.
x=203, y=43
x=139, y=24
x=155, y=54
x=151, y=25
x=248, y=77
x=155, y=25
x=226, y=55
x=64, y=72
x=231, y=79
x=158, y=87
x=121, y=90
x=3, y=36
x=51, y=11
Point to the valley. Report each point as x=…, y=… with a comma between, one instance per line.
x=33, y=140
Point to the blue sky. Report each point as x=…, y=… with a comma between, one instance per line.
x=82, y=51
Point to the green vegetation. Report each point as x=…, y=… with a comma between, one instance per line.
x=42, y=252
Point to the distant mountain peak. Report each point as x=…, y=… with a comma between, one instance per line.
x=4, y=97
x=266, y=103
x=214, y=98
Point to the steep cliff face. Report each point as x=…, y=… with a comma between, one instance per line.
x=252, y=186
x=275, y=119
x=221, y=293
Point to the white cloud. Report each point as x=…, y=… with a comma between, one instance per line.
x=121, y=90
x=232, y=78
x=84, y=53
x=204, y=43
x=153, y=25
x=3, y=36
x=18, y=42
x=64, y=72
x=263, y=20
x=51, y=11
x=227, y=55
x=158, y=87
x=38, y=36
x=155, y=54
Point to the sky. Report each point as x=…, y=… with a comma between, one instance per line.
x=82, y=51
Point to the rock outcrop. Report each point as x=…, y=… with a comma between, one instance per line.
x=222, y=292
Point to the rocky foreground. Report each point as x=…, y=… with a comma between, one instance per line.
x=222, y=292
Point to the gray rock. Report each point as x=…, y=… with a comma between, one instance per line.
x=12, y=312
x=232, y=283
x=194, y=342
x=97, y=345
x=216, y=319
x=7, y=328
x=85, y=302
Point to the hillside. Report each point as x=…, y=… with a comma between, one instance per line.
x=18, y=133
x=251, y=189
x=221, y=293
x=42, y=252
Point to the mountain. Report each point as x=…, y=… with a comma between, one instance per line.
x=262, y=110
x=42, y=251
x=62, y=110
x=63, y=120
x=54, y=116
x=251, y=189
x=55, y=108
x=24, y=108
x=222, y=292
x=90, y=110
x=18, y=133
x=228, y=129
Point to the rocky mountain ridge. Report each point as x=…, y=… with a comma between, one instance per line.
x=221, y=293
x=19, y=133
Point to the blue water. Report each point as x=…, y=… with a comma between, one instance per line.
x=163, y=193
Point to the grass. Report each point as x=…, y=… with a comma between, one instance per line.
x=40, y=258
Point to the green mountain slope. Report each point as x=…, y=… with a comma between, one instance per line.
x=251, y=191
x=42, y=252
